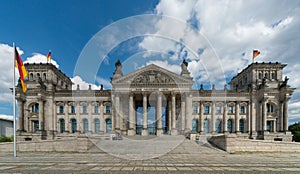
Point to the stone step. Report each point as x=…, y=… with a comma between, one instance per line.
x=138, y=147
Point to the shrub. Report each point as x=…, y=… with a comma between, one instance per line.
x=6, y=139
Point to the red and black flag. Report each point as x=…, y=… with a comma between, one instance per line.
x=255, y=53
x=21, y=68
x=49, y=56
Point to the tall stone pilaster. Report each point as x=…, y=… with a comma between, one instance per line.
x=145, y=116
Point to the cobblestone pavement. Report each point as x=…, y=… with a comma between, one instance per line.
x=180, y=160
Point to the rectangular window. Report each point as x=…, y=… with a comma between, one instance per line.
x=73, y=109
x=84, y=109
x=96, y=109
x=230, y=109
x=195, y=109
x=218, y=110
x=206, y=110
x=107, y=109
x=61, y=109
x=242, y=110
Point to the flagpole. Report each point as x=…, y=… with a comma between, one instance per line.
x=14, y=102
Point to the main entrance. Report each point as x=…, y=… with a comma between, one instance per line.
x=151, y=120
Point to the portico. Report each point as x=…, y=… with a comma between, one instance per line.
x=152, y=93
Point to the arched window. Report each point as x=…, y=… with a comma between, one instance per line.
x=242, y=125
x=96, y=109
x=218, y=125
x=194, y=125
x=273, y=75
x=242, y=110
x=61, y=109
x=107, y=109
x=267, y=75
x=85, y=125
x=108, y=125
x=62, y=125
x=84, y=109
x=206, y=126
x=74, y=125
x=229, y=125
x=31, y=76
x=44, y=77
x=97, y=125
x=35, y=108
x=270, y=108
x=206, y=109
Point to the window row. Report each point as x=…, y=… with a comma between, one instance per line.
x=85, y=126
x=84, y=109
x=267, y=75
x=218, y=125
x=218, y=110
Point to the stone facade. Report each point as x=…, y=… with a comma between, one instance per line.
x=153, y=100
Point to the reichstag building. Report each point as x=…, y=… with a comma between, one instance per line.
x=154, y=101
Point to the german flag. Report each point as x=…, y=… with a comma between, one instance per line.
x=21, y=68
x=48, y=56
x=255, y=53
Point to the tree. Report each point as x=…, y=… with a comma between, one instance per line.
x=295, y=129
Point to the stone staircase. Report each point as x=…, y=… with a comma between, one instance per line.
x=140, y=147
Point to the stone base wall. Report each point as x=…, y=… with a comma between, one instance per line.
x=231, y=143
x=79, y=144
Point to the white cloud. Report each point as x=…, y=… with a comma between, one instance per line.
x=7, y=117
x=165, y=64
x=6, y=69
x=39, y=58
x=83, y=85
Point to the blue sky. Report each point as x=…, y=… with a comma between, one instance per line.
x=216, y=38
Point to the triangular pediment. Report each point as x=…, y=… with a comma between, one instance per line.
x=152, y=75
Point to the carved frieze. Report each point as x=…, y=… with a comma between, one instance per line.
x=152, y=77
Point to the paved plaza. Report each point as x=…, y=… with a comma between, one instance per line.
x=187, y=157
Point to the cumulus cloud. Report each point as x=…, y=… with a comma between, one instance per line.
x=39, y=58
x=83, y=85
x=6, y=69
x=165, y=64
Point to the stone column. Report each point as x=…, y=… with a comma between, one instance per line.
x=225, y=118
x=182, y=114
x=174, y=130
x=159, y=130
x=21, y=115
x=201, y=118
x=169, y=116
x=237, y=116
x=253, y=117
x=117, y=111
x=188, y=111
x=280, y=114
x=102, y=120
x=145, y=116
x=131, y=130
x=90, y=120
x=79, y=126
x=41, y=115
x=213, y=119
x=248, y=117
x=264, y=115
x=67, y=119
x=285, y=113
